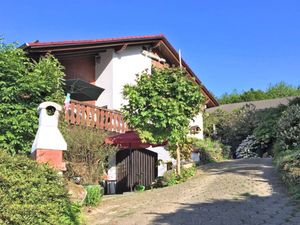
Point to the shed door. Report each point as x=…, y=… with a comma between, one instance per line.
x=139, y=167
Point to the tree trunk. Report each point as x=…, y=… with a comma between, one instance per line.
x=178, y=160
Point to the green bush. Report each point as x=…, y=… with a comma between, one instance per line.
x=188, y=172
x=94, y=195
x=266, y=128
x=288, y=164
x=33, y=194
x=87, y=156
x=24, y=85
x=211, y=150
x=288, y=128
x=171, y=177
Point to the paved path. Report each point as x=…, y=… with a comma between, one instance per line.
x=239, y=192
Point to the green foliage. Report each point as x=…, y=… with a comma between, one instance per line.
x=276, y=91
x=87, y=156
x=94, y=195
x=288, y=128
x=231, y=128
x=186, y=148
x=24, y=85
x=171, y=177
x=33, y=194
x=139, y=188
x=211, y=150
x=161, y=105
x=288, y=164
x=266, y=128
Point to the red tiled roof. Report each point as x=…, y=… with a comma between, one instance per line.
x=96, y=41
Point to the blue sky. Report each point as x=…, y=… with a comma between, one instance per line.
x=232, y=44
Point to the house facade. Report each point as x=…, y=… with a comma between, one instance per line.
x=112, y=63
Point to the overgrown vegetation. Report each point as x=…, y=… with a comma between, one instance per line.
x=24, y=85
x=161, y=105
x=87, y=156
x=276, y=91
x=33, y=194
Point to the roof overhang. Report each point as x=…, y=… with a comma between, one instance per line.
x=94, y=46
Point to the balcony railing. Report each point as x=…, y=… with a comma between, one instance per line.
x=93, y=116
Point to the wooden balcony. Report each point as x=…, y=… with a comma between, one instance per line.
x=93, y=116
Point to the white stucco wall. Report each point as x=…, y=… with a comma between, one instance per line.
x=112, y=171
x=114, y=70
x=104, y=77
x=198, y=121
x=126, y=65
x=164, y=155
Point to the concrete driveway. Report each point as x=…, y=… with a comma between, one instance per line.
x=238, y=192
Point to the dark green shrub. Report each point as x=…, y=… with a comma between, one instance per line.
x=266, y=128
x=33, y=194
x=94, y=195
x=211, y=150
x=87, y=156
x=288, y=164
x=288, y=128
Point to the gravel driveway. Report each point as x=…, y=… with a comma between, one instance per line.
x=235, y=192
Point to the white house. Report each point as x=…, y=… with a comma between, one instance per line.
x=113, y=62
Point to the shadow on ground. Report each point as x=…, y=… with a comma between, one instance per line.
x=244, y=209
x=252, y=210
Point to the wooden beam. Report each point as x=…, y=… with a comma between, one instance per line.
x=121, y=49
x=157, y=45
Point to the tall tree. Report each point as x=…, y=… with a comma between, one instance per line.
x=161, y=106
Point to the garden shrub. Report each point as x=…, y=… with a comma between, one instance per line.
x=266, y=128
x=87, y=156
x=288, y=128
x=248, y=148
x=288, y=164
x=94, y=195
x=171, y=177
x=31, y=193
x=211, y=150
x=25, y=84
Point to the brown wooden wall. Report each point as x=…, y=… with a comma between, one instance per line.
x=82, y=67
x=139, y=168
